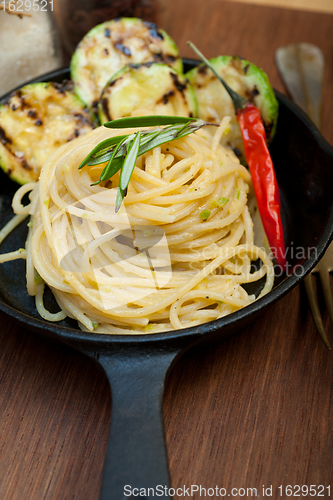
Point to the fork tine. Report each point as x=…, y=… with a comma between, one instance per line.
x=312, y=297
x=327, y=291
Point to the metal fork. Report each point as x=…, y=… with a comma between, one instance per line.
x=301, y=67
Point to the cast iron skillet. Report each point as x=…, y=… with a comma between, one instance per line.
x=136, y=366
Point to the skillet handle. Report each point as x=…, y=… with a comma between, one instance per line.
x=136, y=455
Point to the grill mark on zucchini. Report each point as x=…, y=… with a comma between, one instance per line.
x=252, y=93
x=104, y=103
x=166, y=58
x=81, y=119
x=179, y=86
x=94, y=106
x=122, y=48
x=156, y=34
x=153, y=29
x=4, y=139
x=237, y=152
x=24, y=163
x=74, y=135
x=138, y=65
x=158, y=57
x=170, y=58
x=165, y=97
x=64, y=86
x=23, y=103
x=202, y=69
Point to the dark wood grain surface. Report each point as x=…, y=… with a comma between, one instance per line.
x=255, y=410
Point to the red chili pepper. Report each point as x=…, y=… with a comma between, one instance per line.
x=263, y=176
x=260, y=164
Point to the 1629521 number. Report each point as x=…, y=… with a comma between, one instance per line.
x=305, y=491
x=17, y=6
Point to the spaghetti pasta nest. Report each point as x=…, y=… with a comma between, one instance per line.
x=175, y=255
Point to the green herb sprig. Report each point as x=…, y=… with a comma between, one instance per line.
x=121, y=152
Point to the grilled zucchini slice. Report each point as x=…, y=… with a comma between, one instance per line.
x=112, y=45
x=151, y=88
x=34, y=121
x=245, y=78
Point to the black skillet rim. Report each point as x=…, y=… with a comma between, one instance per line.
x=67, y=334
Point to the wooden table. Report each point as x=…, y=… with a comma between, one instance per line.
x=312, y=5
x=255, y=410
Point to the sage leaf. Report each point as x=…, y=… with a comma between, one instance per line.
x=107, y=143
x=129, y=163
x=119, y=199
x=111, y=168
x=147, y=121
